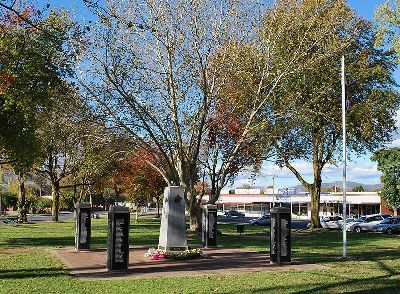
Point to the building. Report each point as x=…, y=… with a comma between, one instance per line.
x=253, y=202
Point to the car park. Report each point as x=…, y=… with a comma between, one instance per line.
x=331, y=222
x=234, y=213
x=265, y=220
x=366, y=224
x=389, y=226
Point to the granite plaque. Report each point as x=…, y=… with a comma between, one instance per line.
x=118, y=238
x=280, y=243
x=209, y=226
x=83, y=226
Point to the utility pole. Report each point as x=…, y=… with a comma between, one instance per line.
x=344, y=102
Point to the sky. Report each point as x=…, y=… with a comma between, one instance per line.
x=360, y=169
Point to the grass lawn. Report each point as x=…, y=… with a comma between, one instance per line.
x=373, y=265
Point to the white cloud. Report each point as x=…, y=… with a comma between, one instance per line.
x=363, y=171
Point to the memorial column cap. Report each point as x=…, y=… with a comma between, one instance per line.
x=210, y=206
x=119, y=209
x=83, y=205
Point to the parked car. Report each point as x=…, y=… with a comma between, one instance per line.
x=234, y=213
x=265, y=220
x=367, y=223
x=331, y=222
x=388, y=226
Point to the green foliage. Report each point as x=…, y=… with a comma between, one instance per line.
x=389, y=164
x=32, y=65
x=8, y=199
x=359, y=188
x=324, y=31
x=388, y=19
x=42, y=204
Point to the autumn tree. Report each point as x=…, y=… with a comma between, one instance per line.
x=387, y=17
x=138, y=180
x=148, y=70
x=236, y=140
x=325, y=30
x=389, y=164
x=77, y=152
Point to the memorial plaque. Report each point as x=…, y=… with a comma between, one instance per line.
x=83, y=226
x=173, y=222
x=209, y=236
x=280, y=244
x=118, y=238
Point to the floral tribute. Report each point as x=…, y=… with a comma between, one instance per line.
x=158, y=254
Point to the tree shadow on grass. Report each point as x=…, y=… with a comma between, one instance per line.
x=31, y=273
x=387, y=283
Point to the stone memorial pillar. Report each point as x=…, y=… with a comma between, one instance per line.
x=118, y=238
x=83, y=226
x=173, y=223
x=280, y=244
x=209, y=226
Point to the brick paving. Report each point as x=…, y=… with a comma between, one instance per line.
x=91, y=265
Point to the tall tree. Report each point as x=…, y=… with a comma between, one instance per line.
x=235, y=139
x=313, y=131
x=389, y=164
x=33, y=64
x=388, y=20
x=148, y=71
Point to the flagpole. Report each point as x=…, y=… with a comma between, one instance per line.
x=344, y=155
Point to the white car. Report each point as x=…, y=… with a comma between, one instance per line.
x=331, y=222
x=265, y=220
x=366, y=223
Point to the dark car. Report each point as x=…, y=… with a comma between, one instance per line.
x=234, y=213
x=388, y=226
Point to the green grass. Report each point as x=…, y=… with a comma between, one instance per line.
x=373, y=266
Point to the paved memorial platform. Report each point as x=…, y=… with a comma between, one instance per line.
x=91, y=265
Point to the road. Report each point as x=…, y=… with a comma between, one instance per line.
x=35, y=218
x=296, y=224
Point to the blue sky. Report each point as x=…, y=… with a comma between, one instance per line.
x=359, y=170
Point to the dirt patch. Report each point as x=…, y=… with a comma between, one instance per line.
x=91, y=265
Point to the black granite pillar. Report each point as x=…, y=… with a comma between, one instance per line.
x=83, y=226
x=209, y=226
x=118, y=238
x=280, y=244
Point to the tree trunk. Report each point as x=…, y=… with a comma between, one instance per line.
x=21, y=199
x=55, y=193
x=158, y=206
x=315, y=193
x=315, y=199
x=195, y=215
